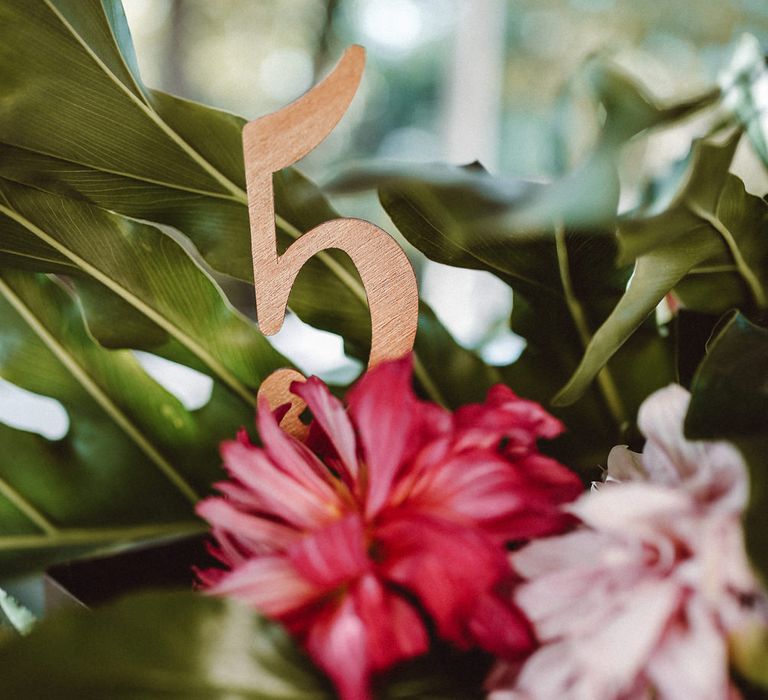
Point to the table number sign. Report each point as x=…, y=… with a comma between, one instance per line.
x=277, y=141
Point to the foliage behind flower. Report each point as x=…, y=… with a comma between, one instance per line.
x=639, y=602
x=394, y=511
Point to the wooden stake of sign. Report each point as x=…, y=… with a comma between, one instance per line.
x=277, y=141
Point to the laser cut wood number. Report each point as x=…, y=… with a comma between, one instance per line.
x=274, y=142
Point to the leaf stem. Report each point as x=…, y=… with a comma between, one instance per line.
x=207, y=167
x=31, y=511
x=605, y=381
x=88, y=536
x=216, y=367
x=746, y=272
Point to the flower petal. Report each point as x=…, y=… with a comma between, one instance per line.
x=331, y=415
x=504, y=415
x=695, y=645
x=271, y=585
x=333, y=555
x=259, y=534
x=633, y=508
x=446, y=565
x=337, y=641
x=276, y=492
x=714, y=472
x=500, y=628
x=290, y=455
x=383, y=407
x=395, y=631
x=625, y=465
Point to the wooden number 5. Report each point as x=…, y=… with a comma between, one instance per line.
x=276, y=141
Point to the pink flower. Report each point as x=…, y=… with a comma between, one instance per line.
x=394, y=509
x=638, y=602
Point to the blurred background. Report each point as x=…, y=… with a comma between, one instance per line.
x=446, y=80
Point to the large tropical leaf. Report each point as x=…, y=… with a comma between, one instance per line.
x=192, y=647
x=553, y=245
x=134, y=459
x=77, y=120
x=710, y=245
x=565, y=284
x=174, y=645
x=173, y=307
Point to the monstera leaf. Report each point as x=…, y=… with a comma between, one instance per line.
x=199, y=648
x=710, y=245
x=174, y=308
x=553, y=244
x=160, y=644
x=565, y=284
x=134, y=460
x=125, y=147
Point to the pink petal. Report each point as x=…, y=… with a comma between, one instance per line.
x=479, y=486
x=692, y=662
x=277, y=492
x=331, y=415
x=333, y=555
x=446, y=565
x=383, y=406
x=473, y=485
x=500, y=628
x=634, y=508
x=271, y=585
x=551, y=673
x=502, y=415
x=621, y=650
x=660, y=419
x=714, y=472
x=338, y=644
x=395, y=631
x=555, y=482
x=290, y=455
x=625, y=465
x=258, y=533
x=578, y=549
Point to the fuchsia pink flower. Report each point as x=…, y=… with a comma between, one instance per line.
x=638, y=603
x=393, y=510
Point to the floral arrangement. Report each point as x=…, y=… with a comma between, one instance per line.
x=585, y=522
x=396, y=512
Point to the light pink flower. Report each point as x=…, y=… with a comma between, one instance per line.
x=639, y=601
x=394, y=509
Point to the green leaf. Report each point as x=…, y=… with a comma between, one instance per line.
x=151, y=645
x=145, y=154
x=134, y=459
x=466, y=218
x=730, y=389
x=565, y=283
x=714, y=235
x=176, y=309
x=629, y=109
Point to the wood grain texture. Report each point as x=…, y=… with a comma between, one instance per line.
x=277, y=141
